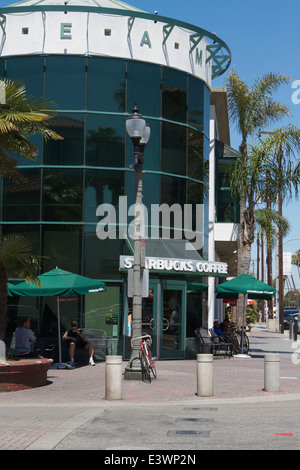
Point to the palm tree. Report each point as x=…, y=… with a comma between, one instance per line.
x=21, y=116
x=296, y=260
x=16, y=260
x=251, y=109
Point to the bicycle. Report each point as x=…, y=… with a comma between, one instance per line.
x=145, y=357
x=234, y=336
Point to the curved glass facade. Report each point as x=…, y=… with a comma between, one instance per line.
x=56, y=207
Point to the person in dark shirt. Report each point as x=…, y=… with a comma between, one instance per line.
x=78, y=340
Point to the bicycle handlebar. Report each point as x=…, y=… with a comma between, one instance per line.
x=138, y=338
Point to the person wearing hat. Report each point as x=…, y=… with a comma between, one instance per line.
x=78, y=340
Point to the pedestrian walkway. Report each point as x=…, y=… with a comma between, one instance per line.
x=72, y=397
x=233, y=377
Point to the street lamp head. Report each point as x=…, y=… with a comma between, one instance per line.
x=146, y=135
x=135, y=124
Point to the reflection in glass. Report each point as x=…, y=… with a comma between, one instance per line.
x=101, y=257
x=143, y=81
x=105, y=141
x=66, y=89
x=61, y=244
x=174, y=95
x=206, y=108
x=70, y=150
x=172, y=319
x=106, y=84
x=101, y=187
x=21, y=201
x=195, y=98
x=62, y=195
x=173, y=151
x=103, y=310
x=30, y=71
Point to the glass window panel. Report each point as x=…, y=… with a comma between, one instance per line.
x=62, y=246
x=66, y=89
x=62, y=195
x=101, y=257
x=70, y=150
x=30, y=71
x=227, y=207
x=196, y=104
x=173, y=190
x=206, y=110
x=21, y=201
x=143, y=81
x=173, y=152
x=104, y=310
x=174, y=95
x=195, y=155
x=102, y=187
x=2, y=67
x=105, y=141
x=106, y=84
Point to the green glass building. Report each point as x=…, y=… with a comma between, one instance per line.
x=95, y=60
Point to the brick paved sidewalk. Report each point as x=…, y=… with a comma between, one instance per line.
x=177, y=380
x=40, y=418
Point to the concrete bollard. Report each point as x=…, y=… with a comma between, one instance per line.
x=205, y=375
x=272, y=372
x=113, y=378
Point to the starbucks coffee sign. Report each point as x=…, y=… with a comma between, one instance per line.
x=205, y=268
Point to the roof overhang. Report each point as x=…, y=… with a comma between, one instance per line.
x=218, y=99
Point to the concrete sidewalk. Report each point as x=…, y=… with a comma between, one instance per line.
x=40, y=417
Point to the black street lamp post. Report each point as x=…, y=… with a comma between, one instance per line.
x=139, y=133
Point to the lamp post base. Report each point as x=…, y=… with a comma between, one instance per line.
x=132, y=374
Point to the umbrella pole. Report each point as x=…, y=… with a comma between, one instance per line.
x=59, y=339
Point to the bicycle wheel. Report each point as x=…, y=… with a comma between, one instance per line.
x=245, y=341
x=152, y=364
x=146, y=377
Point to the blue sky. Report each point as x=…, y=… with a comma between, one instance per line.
x=263, y=36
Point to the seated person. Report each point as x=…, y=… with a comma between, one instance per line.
x=78, y=340
x=225, y=324
x=217, y=329
x=23, y=337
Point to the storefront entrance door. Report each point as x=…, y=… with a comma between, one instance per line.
x=173, y=301
x=163, y=319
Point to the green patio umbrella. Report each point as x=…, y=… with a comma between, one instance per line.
x=247, y=285
x=58, y=282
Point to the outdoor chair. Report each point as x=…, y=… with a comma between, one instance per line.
x=99, y=340
x=210, y=343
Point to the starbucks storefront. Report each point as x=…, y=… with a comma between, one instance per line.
x=174, y=303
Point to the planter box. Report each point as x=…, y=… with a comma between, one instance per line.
x=23, y=374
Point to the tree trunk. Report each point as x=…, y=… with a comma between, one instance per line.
x=244, y=251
